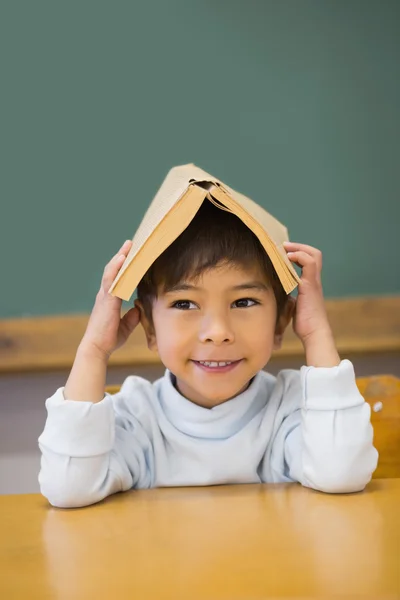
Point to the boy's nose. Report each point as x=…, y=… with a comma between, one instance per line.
x=216, y=330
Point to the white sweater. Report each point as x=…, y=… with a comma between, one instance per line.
x=311, y=426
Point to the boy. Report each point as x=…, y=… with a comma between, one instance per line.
x=214, y=309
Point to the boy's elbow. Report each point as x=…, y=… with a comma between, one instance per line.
x=76, y=482
x=65, y=491
x=61, y=496
x=63, y=501
x=344, y=477
x=339, y=485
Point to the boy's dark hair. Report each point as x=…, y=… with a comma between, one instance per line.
x=213, y=238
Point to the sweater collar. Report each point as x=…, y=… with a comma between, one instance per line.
x=219, y=422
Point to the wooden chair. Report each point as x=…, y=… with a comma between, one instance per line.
x=382, y=392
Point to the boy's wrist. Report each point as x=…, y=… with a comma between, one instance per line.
x=88, y=349
x=87, y=379
x=320, y=350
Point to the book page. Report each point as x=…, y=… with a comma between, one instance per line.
x=257, y=220
x=170, y=192
x=166, y=232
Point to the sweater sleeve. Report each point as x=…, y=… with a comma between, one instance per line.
x=88, y=452
x=332, y=449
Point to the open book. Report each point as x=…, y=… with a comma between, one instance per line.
x=177, y=201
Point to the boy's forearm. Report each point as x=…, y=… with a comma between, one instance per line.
x=87, y=379
x=321, y=351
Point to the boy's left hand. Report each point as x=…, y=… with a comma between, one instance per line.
x=310, y=321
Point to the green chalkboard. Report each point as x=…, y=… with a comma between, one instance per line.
x=294, y=103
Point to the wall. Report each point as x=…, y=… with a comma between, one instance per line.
x=293, y=103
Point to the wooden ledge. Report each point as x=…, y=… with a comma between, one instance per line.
x=360, y=325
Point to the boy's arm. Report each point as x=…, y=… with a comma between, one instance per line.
x=88, y=450
x=82, y=448
x=87, y=379
x=80, y=463
x=77, y=439
x=331, y=450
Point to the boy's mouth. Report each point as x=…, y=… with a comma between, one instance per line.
x=220, y=366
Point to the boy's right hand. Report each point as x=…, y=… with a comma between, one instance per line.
x=106, y=330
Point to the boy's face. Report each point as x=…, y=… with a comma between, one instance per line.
x=227, y=315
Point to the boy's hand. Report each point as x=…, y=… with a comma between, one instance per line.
x=310, y=321
x=106, y=330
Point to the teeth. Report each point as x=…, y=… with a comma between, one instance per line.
x=214, y=364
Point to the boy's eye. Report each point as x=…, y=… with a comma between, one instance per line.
x=244, y=302
x=183, y=305
x=189, y=305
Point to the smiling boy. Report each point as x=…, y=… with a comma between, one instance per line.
x=214, y=310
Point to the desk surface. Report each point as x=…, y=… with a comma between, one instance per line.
x=231, y=542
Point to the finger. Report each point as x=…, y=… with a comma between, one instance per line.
x=295, y=246
x=131, y=319
x=117, y=258
x=301, y=258
x=113, y=267
x=310, y=268
x=124, y=248
x=115, y=264
x=122, y=252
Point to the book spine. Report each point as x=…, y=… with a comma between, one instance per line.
x=218, y=204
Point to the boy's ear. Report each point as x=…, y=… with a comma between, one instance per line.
x=148, y=328
x=283, y=322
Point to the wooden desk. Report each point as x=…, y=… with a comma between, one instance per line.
x=232, y=542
